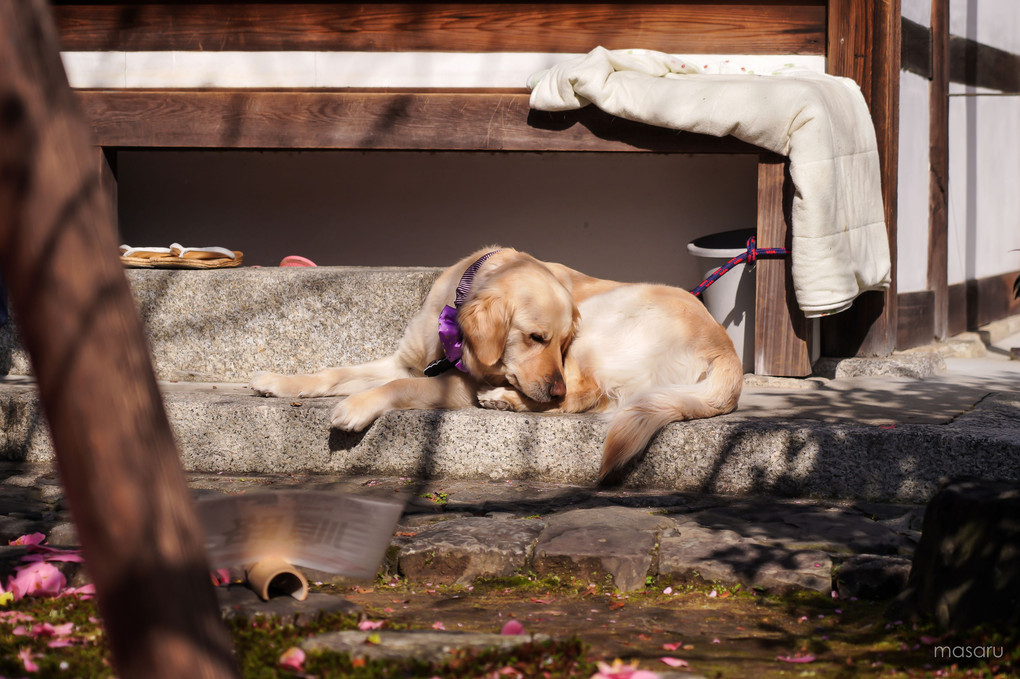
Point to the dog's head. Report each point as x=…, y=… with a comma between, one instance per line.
x=517, y=323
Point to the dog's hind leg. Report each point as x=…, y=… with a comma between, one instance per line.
x=331, y=381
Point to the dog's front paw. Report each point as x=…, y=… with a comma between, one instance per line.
x=268, y=384
x=500, y=398
x=356, y=412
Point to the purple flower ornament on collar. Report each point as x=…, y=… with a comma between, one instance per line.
x=450, y=336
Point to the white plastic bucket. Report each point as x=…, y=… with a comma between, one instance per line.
x=730, y=299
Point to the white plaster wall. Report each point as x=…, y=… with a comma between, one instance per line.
x=912, y=190
x=984, y=186
x=984, y=153
x=992, y=22
x=918, y=11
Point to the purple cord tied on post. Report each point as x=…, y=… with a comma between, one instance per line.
x=750, y=255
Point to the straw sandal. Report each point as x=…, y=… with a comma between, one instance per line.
x=179, y=257
x=141, y=257
x=201, y=258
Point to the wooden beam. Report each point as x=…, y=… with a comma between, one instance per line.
x=970, y=63
x=78, y=321
x=781, y=345
x=793, y=27
x=490, y=120
x=938, y=163
x=885, y=112
x=864, y=44
x=915, y=52
x=978, y=65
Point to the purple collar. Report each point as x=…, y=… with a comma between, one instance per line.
x=450, y=336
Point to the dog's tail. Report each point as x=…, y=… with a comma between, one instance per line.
x=641, y=417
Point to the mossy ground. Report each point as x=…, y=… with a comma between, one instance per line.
x=719, y=632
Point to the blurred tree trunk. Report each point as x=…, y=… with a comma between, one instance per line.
x=77, y=318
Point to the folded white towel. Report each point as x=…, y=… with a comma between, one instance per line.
x=840, y=247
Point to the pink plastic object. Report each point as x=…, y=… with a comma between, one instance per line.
x=297, y=260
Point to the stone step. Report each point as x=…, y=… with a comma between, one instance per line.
x=755, y=450
x=223, y=325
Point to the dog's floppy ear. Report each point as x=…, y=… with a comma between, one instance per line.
x=485, y=322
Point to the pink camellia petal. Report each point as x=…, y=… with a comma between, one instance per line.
x=370, y=624
x=796, y=658
x=85, y=592
x=47, y=630
x=293, y=658
x=37, y=579
x=512, y=628
x=220, y=576
x=25, y=655
x=438, y=625
x=58, y=556
x=674, y=662
x=62, y=643
x=46, y=553
x=30, y=539
x=673, y=646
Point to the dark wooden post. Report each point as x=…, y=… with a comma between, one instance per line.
x=78, y=321
x=781, y=345
x=938, y=158
x=864, y=44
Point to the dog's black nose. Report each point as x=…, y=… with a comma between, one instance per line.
x=557, y=388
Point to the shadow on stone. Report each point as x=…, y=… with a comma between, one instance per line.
x=966, y=570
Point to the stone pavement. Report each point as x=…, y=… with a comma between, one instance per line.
x=455, y=531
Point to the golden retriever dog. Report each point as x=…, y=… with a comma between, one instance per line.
x=539, y=336
x=646, y=355
x=515, y=318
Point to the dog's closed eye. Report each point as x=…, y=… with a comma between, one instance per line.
x=537, y=338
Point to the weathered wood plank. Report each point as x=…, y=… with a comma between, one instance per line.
x=781, y=345
x=916, y=319
x=991, y=299
x=374, y=119
x=792, y=27
x=850, y=30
